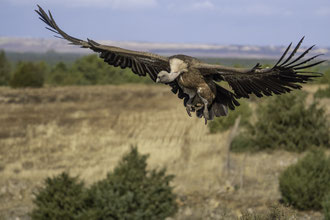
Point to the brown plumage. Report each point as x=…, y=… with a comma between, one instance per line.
x=195, y=81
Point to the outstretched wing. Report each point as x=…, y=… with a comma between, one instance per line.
x=141, y=63
x=281, y=78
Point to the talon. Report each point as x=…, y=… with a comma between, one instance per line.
x=188, y=109
x=206, y=114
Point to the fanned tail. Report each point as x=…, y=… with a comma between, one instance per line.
x=224, y=99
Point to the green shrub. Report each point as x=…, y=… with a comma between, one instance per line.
x=58, y=74
x=285, y=122
x=5, y=69
x=326, y=206
x=132, y=192
x=323, y=93
x=87, y=70
x=129, y=192
x=94, y=70
x=325, y=79
x=61, y=198
x=221, y=124
x=28, y=74
x=242, y=143
x=304, y=184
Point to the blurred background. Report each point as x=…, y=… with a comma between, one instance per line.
x=65, y=113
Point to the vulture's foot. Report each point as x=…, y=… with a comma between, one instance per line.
x=189, y=109
x=189, y=106
x=206, y=114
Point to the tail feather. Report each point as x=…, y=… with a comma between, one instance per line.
x=219, y=109
x=226, y=97
x=224, y=100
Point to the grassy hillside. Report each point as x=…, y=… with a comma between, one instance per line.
x=86, y=130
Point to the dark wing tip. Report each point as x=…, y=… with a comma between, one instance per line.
x=284, y=54
x=297, y=63
x=293, y=52
x=52, y=26
x=310, y=65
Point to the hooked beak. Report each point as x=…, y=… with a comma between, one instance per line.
x=157, y=80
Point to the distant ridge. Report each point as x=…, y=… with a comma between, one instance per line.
x=198, y=50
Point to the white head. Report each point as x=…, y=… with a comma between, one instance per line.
x=163, y=77
x=177, y=67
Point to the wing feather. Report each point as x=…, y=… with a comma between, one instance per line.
x=141, y=63
x=293, y=52
x=114, y=56
x=283, y=55
x=281, y=78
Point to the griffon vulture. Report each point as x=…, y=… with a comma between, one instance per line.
x=195, y=81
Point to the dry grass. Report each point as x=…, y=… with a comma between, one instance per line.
x=86, y=130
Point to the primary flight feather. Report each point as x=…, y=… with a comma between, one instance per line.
x=195, y=81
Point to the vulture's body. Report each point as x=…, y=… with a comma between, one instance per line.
x=196, y=82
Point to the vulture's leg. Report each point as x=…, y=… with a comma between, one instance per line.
x=205, y=111
x=207, y=96
x=189, y=105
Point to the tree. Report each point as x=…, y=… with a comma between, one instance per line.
x=61, y=198
x=326, y=206
x=286, y=122
x=129, y=192
x=61, y=75
x=132, y=192
x=94, y=70
x=305, y=184
x=29, y=74
x=5, y=69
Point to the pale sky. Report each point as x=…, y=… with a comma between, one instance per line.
x=242, y=22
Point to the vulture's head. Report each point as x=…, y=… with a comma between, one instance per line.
x=163, y=77
x=178, y=66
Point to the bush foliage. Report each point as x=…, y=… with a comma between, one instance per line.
x=325, y=79
x=286, y=122
x=132, y=192
x=221, y=124
x=28, y=74
x=5, y=69
x=326, y=206
x=304, y=184
x=323, y=93
x=129, y=192
x=61, y=198
x=91, y=70
x=87, y=70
